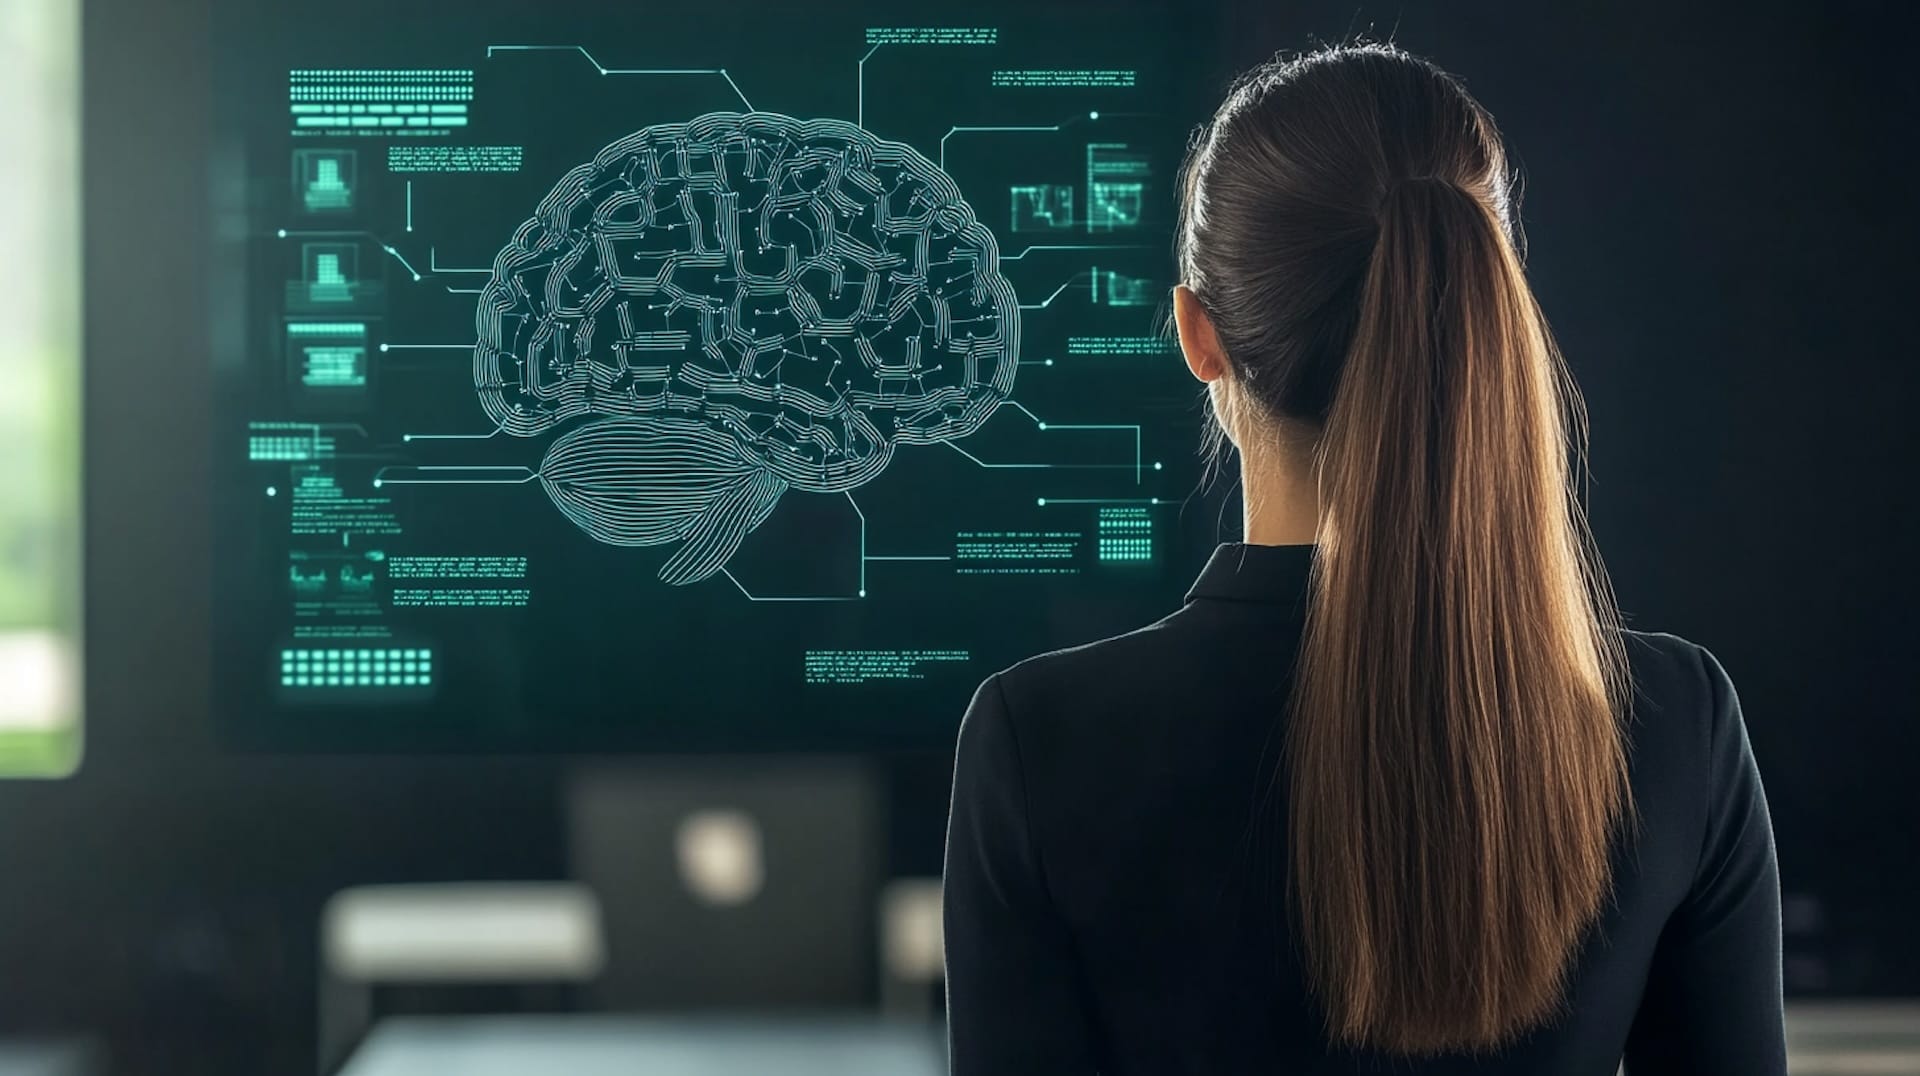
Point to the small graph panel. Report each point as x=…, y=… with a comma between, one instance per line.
x=1042, y=207
x=1113, y=288
x=1117, y=176
x=325, y=180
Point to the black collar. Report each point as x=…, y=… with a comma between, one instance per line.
x=1241, y=572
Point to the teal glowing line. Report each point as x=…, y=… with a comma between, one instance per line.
x=863, y=541
x=823, y=598
x=401, y=259
x=425, y=347
x=433, y=265
x=380, y=482
x=1046, y=426
x=600, y=67
x=1045, y=501
x=449, y=436
x=910, y=558
x=1048, y=301
x=984, y=463
x=451, y=290
x=1072, y=246
x=752, y=597
x=962, y=130
x=605, y=70
x=1037, y=466
x=1136, y=441
x=526, y=474
x=409, y=205
x=736, y=89
x=861, y=115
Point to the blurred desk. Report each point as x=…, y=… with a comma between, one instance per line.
x=597, y=1045
x=1854, y=1038
x=30, y=1058
x=1842, y=1038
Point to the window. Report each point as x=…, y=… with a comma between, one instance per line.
x=39, y=389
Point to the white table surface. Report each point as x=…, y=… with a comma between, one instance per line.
x=1838, y=1038
x=607, y=1045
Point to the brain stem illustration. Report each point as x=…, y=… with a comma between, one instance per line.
x=711, y=313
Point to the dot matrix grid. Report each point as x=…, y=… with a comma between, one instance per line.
x=383, y=97
x=1126, y=534
x=349, y=667
x=277, y=447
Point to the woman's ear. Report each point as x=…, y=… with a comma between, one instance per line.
x=1198, y=341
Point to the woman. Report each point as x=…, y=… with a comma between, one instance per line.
x=1393, y=791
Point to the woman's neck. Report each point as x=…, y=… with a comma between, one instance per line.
x=1282, y=504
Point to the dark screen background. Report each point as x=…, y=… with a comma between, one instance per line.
x=604, y=656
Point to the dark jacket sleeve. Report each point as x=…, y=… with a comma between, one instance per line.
x=1014, y=1005
x=1712, y=1006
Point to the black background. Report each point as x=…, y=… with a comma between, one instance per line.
x=1720, y=218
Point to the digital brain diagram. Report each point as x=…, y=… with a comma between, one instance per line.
x=569, y=373
x=738, y=306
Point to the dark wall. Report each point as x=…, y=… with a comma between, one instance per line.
x=1718, y=220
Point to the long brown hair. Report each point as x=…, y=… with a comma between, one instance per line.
x=1456, y=752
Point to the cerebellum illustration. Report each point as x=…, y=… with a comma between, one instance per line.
x=712, y=313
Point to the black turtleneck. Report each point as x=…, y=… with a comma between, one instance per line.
x=1115, y=902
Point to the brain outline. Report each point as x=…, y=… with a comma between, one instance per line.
x=681, y=420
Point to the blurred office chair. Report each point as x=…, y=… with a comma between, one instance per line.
x=739, y=885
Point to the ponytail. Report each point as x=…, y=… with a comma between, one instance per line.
x=1456, y=767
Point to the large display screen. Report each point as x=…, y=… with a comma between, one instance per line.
x=687, y=376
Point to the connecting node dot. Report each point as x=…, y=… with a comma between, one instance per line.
x=383, y=347
x=1043, y=425
x=1093, y=115
x=1156, y=466
x=863, y=592
x=376, y=483
x=416, y=276
x=1043, y=502
x=1049, y=362
x=271, y=491
x=282, y=233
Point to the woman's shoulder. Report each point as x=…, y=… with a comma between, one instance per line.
x=1685, y=730
x=1675, y=678
x=1121, y=695
x=1116, y=664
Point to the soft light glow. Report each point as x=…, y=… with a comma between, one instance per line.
x=720, y=856
x=36, y=680
x=464, y=932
